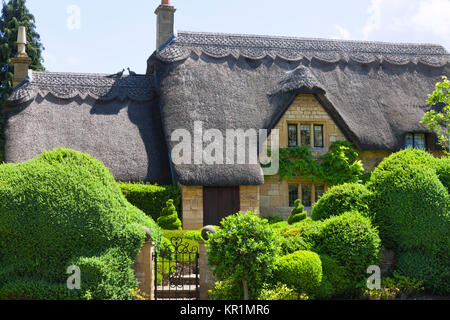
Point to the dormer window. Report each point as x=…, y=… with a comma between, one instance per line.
x=415, y=140
x=306, y=134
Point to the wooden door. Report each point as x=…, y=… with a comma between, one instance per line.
x=218, y=203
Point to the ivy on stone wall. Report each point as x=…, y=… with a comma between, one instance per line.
x=339, y=165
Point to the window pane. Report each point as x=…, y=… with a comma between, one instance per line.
x=292, y=135
x=307, y=195
x=293, y=194
x=318, y=136
x=419, y=141
x=305, y=135
x=409, y=140
x=320, y=190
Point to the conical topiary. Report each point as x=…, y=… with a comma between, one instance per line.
x=298, y=213
x=169, y=217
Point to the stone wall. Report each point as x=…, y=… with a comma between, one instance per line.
x=207, y=278
x=192, y=206
x=250, y=198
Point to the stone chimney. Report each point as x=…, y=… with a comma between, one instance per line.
x=165, y=27
x=21, y=61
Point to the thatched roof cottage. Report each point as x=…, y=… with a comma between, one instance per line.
x=313, y=91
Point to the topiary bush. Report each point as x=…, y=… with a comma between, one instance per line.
x=60, y=209
x=243, y=250
x=352, y=241
x=301, y=270
x=410, y=203
x=298, y=213
x=303, y=235
x=443, y=171
x=336, y=280
x=342, y=198
x=151, y=198
x=274, y=219
x=432, y=269
x=169, y=217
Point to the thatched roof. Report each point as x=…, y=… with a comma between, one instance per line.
x=114, y=119
x=374, y=91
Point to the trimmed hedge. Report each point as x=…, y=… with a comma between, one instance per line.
x=151, y=198
x=410, y=204
x=341, y=199
x=303, y=235
x=336, y=281
x=433, y=270
x=64, y=208
x=352, y=241
x=301, y=270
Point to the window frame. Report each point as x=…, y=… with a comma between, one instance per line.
x=414, y=144
x=312, y=138
x=288, y=135
x=322, y=133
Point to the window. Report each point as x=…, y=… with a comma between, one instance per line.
x=305, y=130
x=307, y=195
x=415, y=140
x=292, y=135
x=318, y=136
x=293, y=194
x=319, y=191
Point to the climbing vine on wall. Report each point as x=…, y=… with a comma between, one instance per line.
x=339, y=165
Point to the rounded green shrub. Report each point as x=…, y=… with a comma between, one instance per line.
x=298, y=213
x=169, y=217
x=443, y=171
x=303, y=235
x=60, y=209
x=432, y=269
x=243, y=249
x=352, y=241
x=301, y=270
x=340, y=199
x=410, y=203
x=274, y=219
x=336, y=280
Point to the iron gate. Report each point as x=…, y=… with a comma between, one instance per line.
x=177, y=271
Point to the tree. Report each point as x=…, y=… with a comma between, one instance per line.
x=15, y=14
x=439, y=122
x=243, y=252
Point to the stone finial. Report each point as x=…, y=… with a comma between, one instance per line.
x=21, y=61
x=148, y=234
x=165, y=23
x=206, y=230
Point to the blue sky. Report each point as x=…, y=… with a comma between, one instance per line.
x=117, y=34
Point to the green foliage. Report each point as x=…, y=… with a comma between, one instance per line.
x=341, y=199
x=64, y=208
x=410, y=202
x=439, y=122
x=243, y=249
x=298, y=213
x=352, y=241
x=304, y=235
x=274, y=219
x=169, y=217
x=443, y=171
x=151, y=198
x=336, y=280
x=433, y=270
x=227, y=289
x=301, y=270
x=338, y=166
x=280, y=292
x=15, y=14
